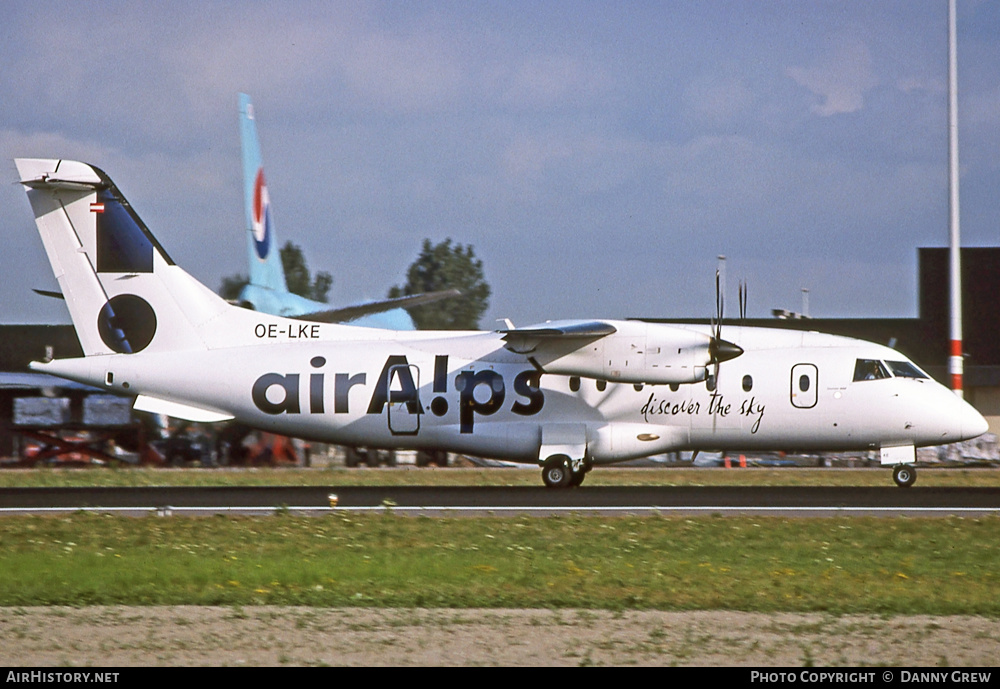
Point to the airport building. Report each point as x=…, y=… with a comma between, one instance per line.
x=43, y=417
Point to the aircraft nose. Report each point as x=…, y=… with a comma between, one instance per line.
x=973, y=423
x=960, y=417
x=951, y=417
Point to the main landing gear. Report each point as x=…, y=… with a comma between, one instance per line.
x=904, y=475
x=559, y=471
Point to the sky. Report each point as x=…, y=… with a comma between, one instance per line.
x=598, y=156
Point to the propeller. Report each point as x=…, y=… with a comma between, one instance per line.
x=720, y=350
x=743, y=300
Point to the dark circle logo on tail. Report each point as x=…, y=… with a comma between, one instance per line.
x=126, y=323
x=261, y=217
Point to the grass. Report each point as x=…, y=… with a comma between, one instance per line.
x=837, y=565
x=937, y=566
x=527, y=476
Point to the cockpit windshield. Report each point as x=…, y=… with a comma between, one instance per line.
x=870, y=369
x=904, y=369
x=873, y=369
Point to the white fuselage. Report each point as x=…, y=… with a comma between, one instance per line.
x=464, y=392
x=565, y=394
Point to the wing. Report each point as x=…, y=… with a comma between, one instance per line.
x=555, y=335
x=617, y=351
x=349, y=313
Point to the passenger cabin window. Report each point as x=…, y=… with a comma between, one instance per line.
x=747, y=383
x=870, y=369
x=904, y=369
x=574, y=383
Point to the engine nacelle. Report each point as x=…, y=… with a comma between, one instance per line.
x=617, y=351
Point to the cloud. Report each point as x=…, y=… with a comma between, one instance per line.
x=841, y=76
x=628, y=148
x=546, y=81
x=717, y=100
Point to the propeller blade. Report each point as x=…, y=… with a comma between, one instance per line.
x=720, y=350
x=719, y=304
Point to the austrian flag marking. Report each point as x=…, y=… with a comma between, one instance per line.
x=97, y=207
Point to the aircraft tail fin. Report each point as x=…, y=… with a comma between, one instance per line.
x=123, y=291
x=267, y=290
x=266, y=270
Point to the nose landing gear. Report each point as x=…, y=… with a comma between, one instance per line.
x=901, y=458
x=904, y=475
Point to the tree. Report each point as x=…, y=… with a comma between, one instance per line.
x=441, y=267
x=232, y=285
x=297, y=278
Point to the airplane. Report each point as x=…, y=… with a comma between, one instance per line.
x=267, y=290
x=564, y=395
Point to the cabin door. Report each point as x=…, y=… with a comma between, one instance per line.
x=804, y=386
x=404, y=400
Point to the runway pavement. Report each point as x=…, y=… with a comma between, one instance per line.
x=406, y=500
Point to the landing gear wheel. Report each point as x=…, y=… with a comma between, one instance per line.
x=577, y=478
x=427, y=457
x=352, y=457
x=556, y=472
x=904, y=475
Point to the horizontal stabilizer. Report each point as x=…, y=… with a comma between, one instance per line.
x=63, y=175
x=176, y=410
x=350, y=313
